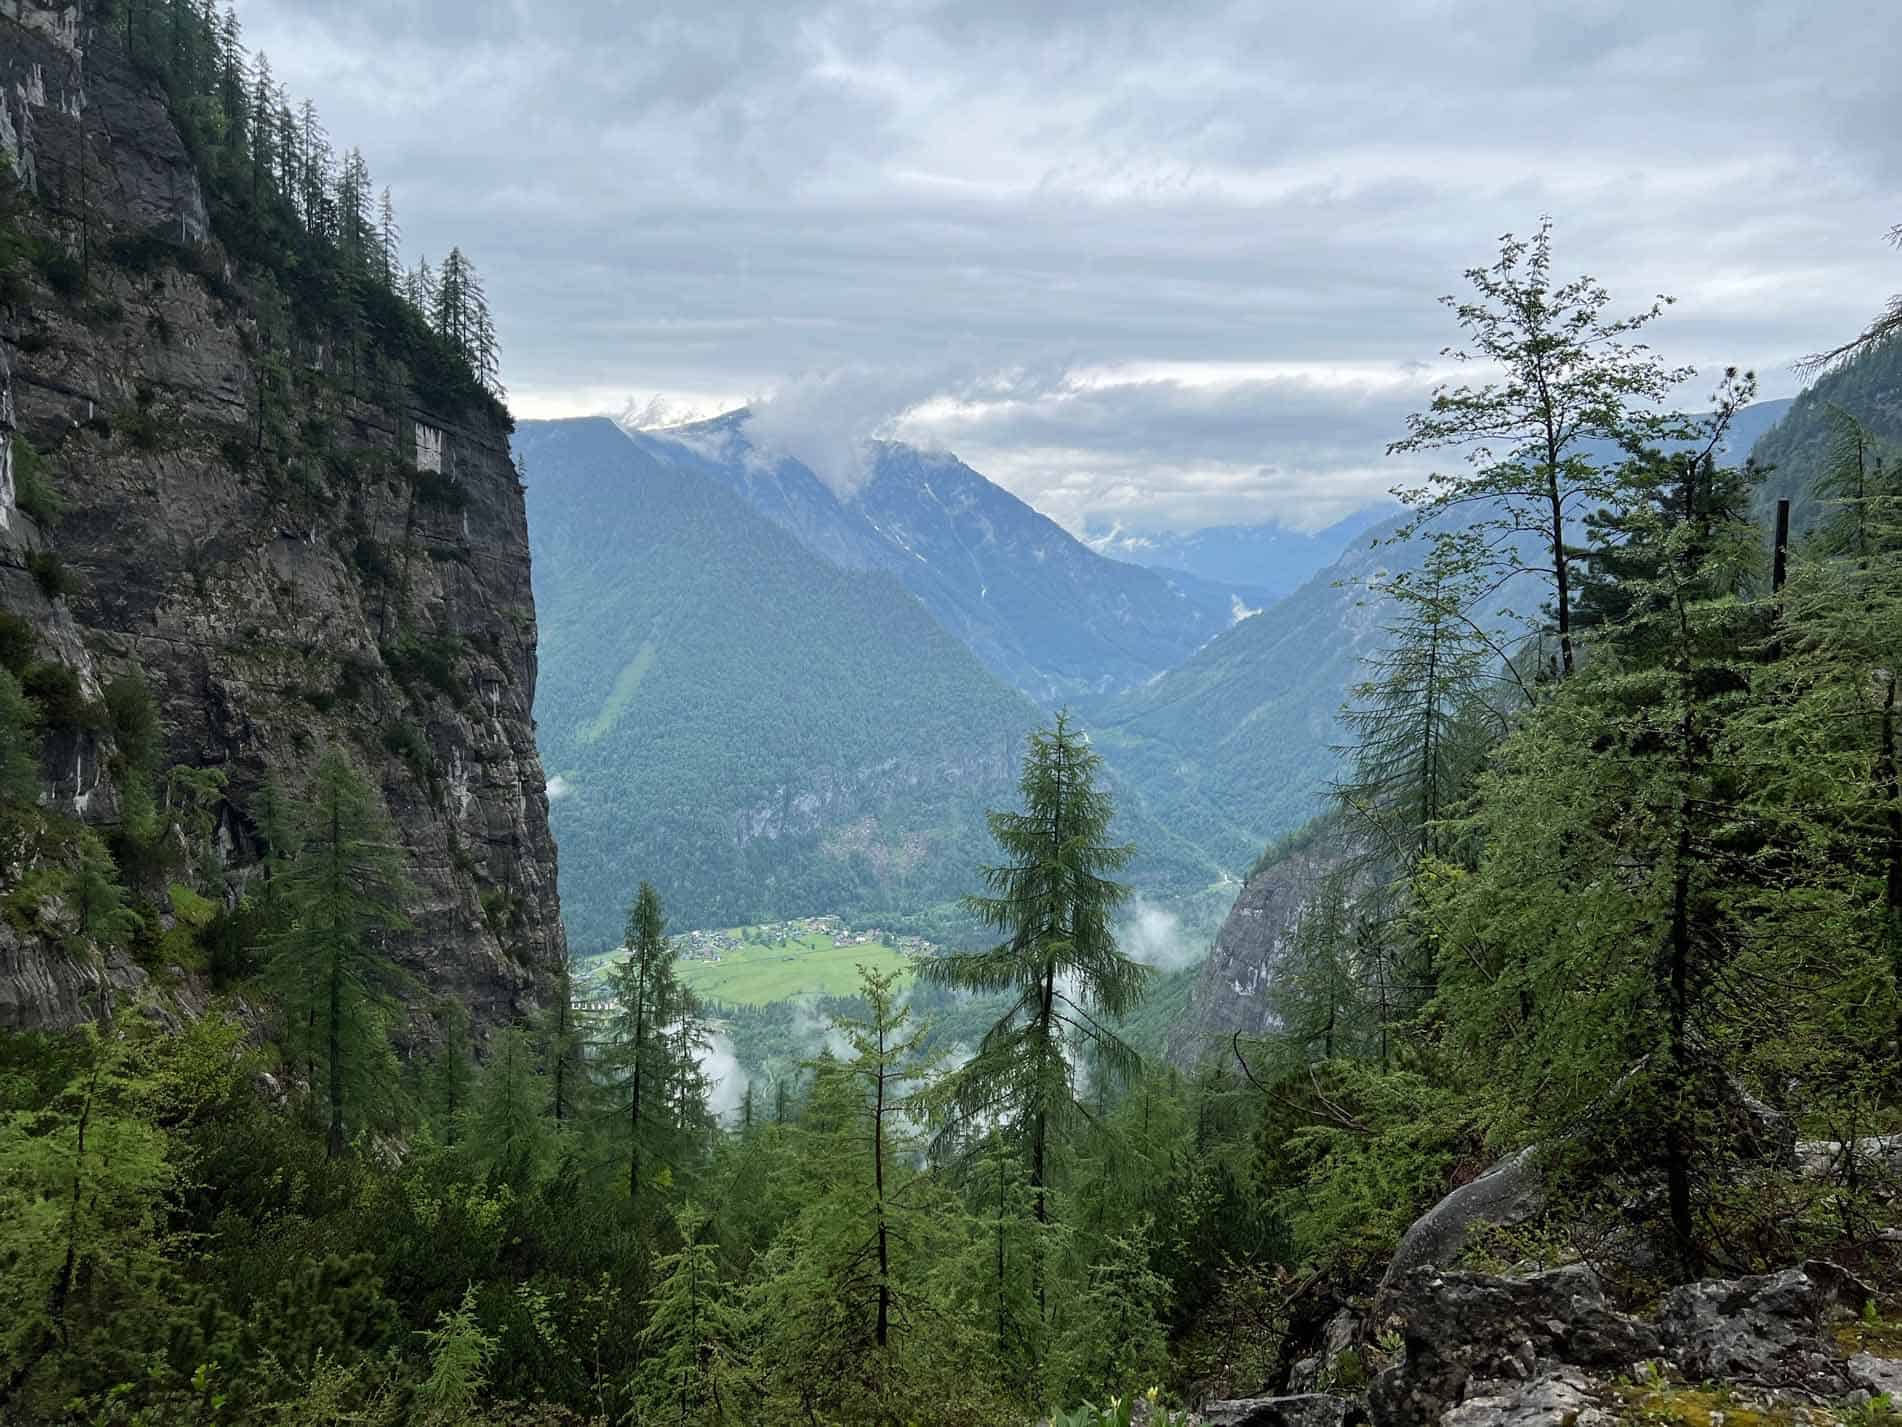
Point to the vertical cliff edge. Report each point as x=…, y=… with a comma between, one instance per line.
x=293, y=529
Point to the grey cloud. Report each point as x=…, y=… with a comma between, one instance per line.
x=758, y=196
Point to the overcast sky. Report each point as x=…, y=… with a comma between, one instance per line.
x=1163, y=264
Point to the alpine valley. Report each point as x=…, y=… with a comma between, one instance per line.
x=551, y=923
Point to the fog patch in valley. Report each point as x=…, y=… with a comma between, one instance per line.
x=1153, y=935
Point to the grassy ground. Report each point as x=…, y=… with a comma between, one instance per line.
x=811, y=966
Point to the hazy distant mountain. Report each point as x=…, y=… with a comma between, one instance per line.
x=757, y=731
x=1269, y=557
x=1233, y=748
x=1045, y=613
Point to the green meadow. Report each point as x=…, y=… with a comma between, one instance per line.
x=753, y=975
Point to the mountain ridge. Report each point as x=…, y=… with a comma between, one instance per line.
x=1044, y=612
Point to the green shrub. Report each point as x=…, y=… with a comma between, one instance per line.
x=60, y=268
x=430, y=661
x=51, y=575
x=441, y=492
x=32, y=492
x=142, y=426
x=145, y=253
x=406, y=741
x=17, y=643
x=62, y=703
x=371, y=563
x=355, y=678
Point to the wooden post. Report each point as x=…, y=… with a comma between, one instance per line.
x=1780, y=561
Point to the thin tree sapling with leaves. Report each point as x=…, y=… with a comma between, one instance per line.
x=1543, y=442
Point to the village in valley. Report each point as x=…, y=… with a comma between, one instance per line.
x=756, y=965
x=796, y=935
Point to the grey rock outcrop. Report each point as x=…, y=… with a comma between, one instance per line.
x=1231, y=992
x=1875, y=1375
x=1766, y=1329
x=1310, y=1409
x=1874, y=1157
x=1472, y=1327
x=1511, y=1192
x=1563, y=1398
x=1485, y=1351
x=272, y=615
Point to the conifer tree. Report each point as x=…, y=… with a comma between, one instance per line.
x=1414, y=746
x=449, y=1082
x=1602, y=923
x=84, y=1188
x=646, y=1035
x=389, y=243
x=355, y=226
x=1573, y=378
x=508, y=1131
x=344, y=889
x=1053, y=900
x=1825, y=733
x=563, y=1046
x=693, y=1331
x=265, y=135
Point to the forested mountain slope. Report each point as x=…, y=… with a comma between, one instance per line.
x=251, y=508
x=1044, y=612
x=1234, y=748
x=1868, y=389
x=756, y=730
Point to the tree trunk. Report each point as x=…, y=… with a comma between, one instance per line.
x=1561, y=567
x=1678, y=1135
x=334, y=1031
x=1890, y=781
x=883, y=1329
x=634, y=1107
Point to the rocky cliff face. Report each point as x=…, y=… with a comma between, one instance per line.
x=294, y=547
x=1232, y=989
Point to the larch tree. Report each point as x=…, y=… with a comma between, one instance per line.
x=1602, y=935
x=1053, y=900
x=343, y=888
x=641, y=1038
x=508, y=1129
x=1827, y=729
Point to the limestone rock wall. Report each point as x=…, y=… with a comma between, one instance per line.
x=372, y=593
